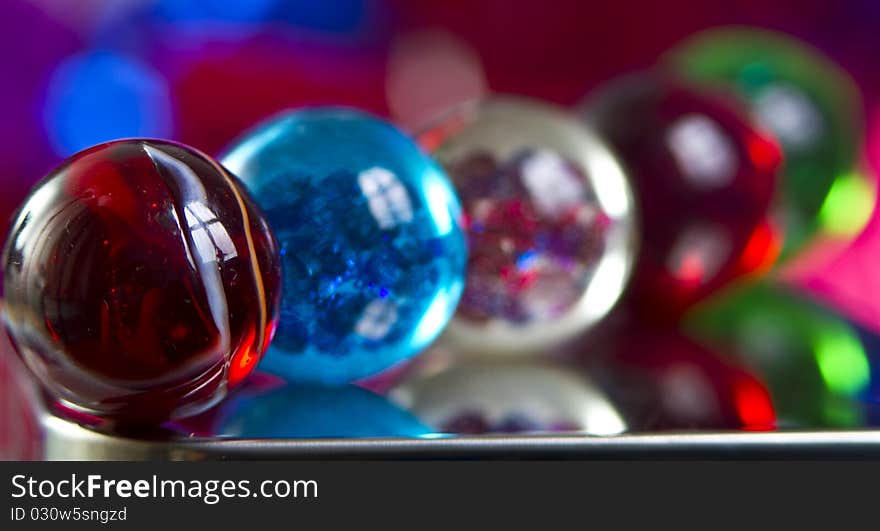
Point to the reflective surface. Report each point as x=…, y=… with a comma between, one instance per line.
x=817, y=366
x=663, y=381
x=276, y=410
x=68, y=441
x=19, y=434
x=504, y=395
x=549, y=220
x=810, y=104
x=140, y=281
x=370, y=236
x=704, y=179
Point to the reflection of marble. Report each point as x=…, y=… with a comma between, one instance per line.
x=497, y=395
x=311, y=411
x=821, y=368
x=19, y=434
x=371, y=241
x=550, y=223
x=661, y=380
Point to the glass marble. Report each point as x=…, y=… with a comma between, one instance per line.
x=306, y=411
x=477, y=395
x=662, y=380
x=141, y=282
x=704, y=178
x=371, y=241
x=549, y=219
x=811, y=105
x=814, y=360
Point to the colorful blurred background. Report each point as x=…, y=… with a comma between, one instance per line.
x=202, y=72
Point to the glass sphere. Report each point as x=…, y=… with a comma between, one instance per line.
x=811, y=105
x=140, y=281
x=549, y=219
x=371, y=242
x=704, y=178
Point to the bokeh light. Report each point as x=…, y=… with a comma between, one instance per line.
x=428, y=73
x=207, y=11
x=101, y=96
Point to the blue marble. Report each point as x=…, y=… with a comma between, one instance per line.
x=314, y=411
x=371, y=241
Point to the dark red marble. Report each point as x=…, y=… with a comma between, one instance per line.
x=704, y=178
x=141, y=282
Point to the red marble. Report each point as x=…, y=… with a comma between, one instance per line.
x=704, y=178
x=141, y=282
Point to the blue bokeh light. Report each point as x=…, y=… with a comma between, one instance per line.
x=101, y=96
x=216, y=10
x=338, y=16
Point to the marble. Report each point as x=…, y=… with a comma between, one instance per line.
x=704, y=177
x=371, y=241
x=549, y=220
x=141, y=282
x=811, y=105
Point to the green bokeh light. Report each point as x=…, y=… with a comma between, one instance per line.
x=841, y=358
x=848, y=206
